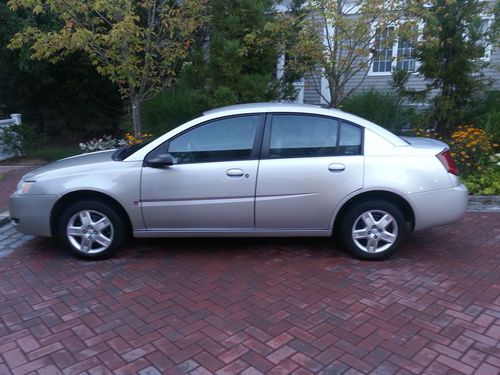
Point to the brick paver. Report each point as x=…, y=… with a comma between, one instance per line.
x=11, y=176
x=257, y=306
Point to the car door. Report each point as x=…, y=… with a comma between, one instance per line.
x=211, y=185
x=309, y=164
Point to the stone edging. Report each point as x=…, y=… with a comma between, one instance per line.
x=4, y=218
x=485, y=199
x=484, y=203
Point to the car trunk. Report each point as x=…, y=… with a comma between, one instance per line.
x=432, y=145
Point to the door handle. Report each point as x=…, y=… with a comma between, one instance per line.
x=336, y=167
x=235, y=172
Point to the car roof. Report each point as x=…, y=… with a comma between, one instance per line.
x=270, y=107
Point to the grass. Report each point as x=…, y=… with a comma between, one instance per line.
x=52, y=153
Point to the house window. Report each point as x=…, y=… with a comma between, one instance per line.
x=390, y=53
x=383, y=55
x=406, y=55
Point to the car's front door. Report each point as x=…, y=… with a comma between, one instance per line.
x=309, y=164
x=211, y=185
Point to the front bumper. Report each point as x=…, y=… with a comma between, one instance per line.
x=439, y=207
x=31, y=213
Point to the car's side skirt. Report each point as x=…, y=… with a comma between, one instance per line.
x=216, y=232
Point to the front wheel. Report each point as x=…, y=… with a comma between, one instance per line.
x=373, y=229
x=91, y=229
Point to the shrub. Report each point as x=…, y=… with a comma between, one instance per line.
x=491, y=124
x=383, y=108
x=485, y=183
x=470, y=147
x=52, y=153
x=107, y=142
x=171, y=109
x=19, y=138
x=131, y=139
x=487, y=114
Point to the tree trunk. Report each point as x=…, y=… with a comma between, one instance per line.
x=334, y=95
x=136, y=115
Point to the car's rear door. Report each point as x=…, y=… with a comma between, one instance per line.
x=308, y=165
x=211, y=186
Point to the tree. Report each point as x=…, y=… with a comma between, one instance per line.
x=45, y=93
x=227, y=70
x=231, y=75
x=139, y=45
x=336, y=40
x=451, y=52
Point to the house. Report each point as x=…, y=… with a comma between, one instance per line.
x=313, y=89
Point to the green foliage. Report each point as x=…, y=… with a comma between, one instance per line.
x=487, y=114
x=67, y=98
x=450, y=55
x=53, y=153
x=471, y=147
x=224, y=67
x=485, y=183
x=138, y=45
x=492, y=125
x=172, y=108
x=20, y=139
x=231, y=76
x=381, y=107
x=399, y=80
x=334, y=41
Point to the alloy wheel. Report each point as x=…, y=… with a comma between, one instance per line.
x=374, y=231
x=90, y=232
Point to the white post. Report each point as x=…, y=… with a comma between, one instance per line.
x=300, y=95
x=16, y=117
x=280, y=66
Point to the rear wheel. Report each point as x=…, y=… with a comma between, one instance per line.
x=373, y=229
x=91, y=229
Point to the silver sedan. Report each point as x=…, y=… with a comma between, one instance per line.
x=248, y=170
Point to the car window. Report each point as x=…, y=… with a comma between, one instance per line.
x=350, y=140
x=302, y=136
x=221, y=140
x=312, y=136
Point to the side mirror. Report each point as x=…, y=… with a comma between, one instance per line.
x=161, y=161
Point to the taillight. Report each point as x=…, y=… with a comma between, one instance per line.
x=446, y=159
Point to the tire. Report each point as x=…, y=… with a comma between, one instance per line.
x=372, y=230
x=91, y=229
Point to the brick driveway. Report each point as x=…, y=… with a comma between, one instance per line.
x=253, y=306
x=256, y=306
x=8, y=182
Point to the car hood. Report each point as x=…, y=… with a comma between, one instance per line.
x=73, y=161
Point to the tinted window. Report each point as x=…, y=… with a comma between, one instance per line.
x=310, y=136
x=350, y=140
x=300, y=136
x=220, y=140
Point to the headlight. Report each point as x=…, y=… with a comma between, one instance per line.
x=23, y=187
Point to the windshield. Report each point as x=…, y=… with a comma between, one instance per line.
x=124, y=152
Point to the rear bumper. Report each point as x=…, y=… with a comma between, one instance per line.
x=439, y=207
x=31, y=213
